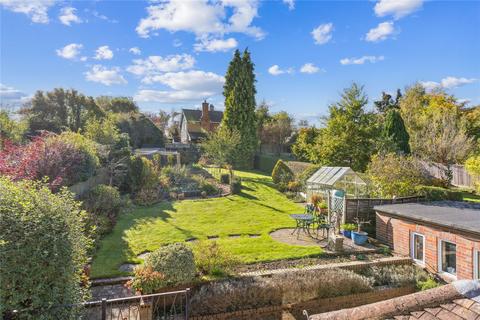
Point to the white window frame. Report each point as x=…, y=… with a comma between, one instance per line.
x=476, y=272
x=412, y=247
x=439, y=254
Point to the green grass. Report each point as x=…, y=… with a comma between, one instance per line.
x=467, y=196
x=258, y=209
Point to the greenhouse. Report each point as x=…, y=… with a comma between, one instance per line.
x=336, y=178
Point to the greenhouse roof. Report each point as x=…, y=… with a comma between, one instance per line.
x=330, y=175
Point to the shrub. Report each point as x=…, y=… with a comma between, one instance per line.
x=225, y=178
x=236, y=186
x=212, y=260
x=437, y=193
x=146, y=280
x=142, y=174
x=103, y=203
x=42, y=250
x=348, y=227
x=294, y=186
x=176, y=175
x=396, y=275
x=142, y=131
x=146, y=197
x=265, y=163
x=205, y=186
x=395, y=175
x=473, y=167
x=233, y=295
x=175, y=262
x=307, y=173
x=281, y=174
x=427, y=284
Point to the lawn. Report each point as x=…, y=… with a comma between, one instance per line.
x=258, y=209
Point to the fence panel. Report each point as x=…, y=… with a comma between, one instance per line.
x=461, y=178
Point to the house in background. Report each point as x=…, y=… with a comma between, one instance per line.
x=442, y=236
x=195, y=124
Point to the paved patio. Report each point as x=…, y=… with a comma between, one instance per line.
x=312, y=239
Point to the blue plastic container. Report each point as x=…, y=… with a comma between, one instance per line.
x=359, y=238
x=347, y=233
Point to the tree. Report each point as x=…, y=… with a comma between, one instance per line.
x=117, y=104
x=161, y=119
x=395, y=175
x=304, y=147
x=142, y=131
x=221, y=148
x=395, y=133
x=348, y=138
x=473, y=167
x=276, y=130
x=387, y=102
x=60, y=110
x=42, y=251
x=472, y=123
x=11, y=129
x=239, y=115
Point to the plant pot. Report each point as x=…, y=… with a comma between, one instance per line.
x=347, y=233
x=359, y=238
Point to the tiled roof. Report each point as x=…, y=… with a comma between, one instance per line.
x=456, y=301
x=195, y=115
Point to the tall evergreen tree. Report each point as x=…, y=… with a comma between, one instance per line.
x=395, y=133
x=239, y=115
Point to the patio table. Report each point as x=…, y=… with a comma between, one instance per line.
x=303, y=221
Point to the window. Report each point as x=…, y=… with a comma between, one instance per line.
x=476, y=264
x=447, y=257
x=417, y=247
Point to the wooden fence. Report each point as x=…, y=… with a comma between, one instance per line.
x=461, y=178
x=363, y=208
x=83, y=187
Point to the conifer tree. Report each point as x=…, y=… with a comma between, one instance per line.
x=395, y=132
x=239, y=115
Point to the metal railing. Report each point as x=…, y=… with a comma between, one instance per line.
x=160, y=306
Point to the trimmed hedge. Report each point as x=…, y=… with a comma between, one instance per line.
x=437, y=193
x=281, y=174
x=266, y=163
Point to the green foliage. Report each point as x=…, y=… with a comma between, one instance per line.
x=348, y=138
x=175, y=261
x=239, y=115
x=395, y=133
x=221, y=147
x=281, y=174
x=42, y=250
x=266, y=163
x=117, y=104
x=395, y=175
x=307, y=173
x=427, y=284
x=275, y=131
x=146, y=280
x=304, y=147
x=61, y=110
x=103, y=131
x=348, y=226
x=11, y=129
x=396, y=275
x=437, y=193
x=142, y=174
x=103, y=204
x=213, y=260
x=473, y=167
x=142, y=131
x=205, y=186
x=388, y=103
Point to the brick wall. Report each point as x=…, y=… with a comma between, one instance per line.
x=397, y=234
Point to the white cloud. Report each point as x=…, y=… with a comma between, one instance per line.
x=11, y=96
x=177, y=43
x=70, y=51
x=36, y=10
x=103, y=53
x=309, y=68
x=103, y=17
x=154, y=65
x=276, y=71
x=397, y=8
x=67, y=16
x=323, y=33
x=381, y=32
x=135, y=51
x=447, y=83
x=105, y=75
x=290, y=4
x=186, y=86
x=214, y=45
x=362, y=60
x=202, y=17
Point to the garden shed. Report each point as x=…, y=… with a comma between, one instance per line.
x=336, y=178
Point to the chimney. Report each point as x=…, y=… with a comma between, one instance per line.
x=212, y=108
x=205, y=120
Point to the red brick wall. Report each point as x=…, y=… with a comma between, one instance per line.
x=396, y=233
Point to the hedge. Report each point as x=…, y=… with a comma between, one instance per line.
x=266, y=163
x=437, y=193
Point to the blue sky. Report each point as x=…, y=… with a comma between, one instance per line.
x=173, y=54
